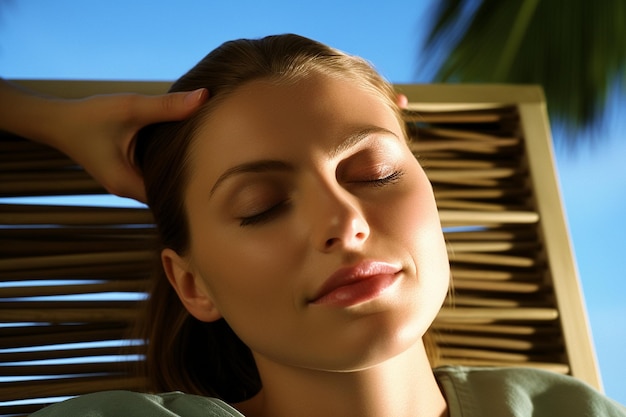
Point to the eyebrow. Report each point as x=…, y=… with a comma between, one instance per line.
x=354, y=138
x=264, y=165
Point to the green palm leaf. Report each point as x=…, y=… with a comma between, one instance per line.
x=576, y=49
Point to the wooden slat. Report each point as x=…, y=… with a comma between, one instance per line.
x=17, y=248
x=492, y=246
x=485, y=148
x=84, y=232
x=491, y=259
x=43, y=262
x=75, y=216
x=494, y=275
x=470, y=218
x=36, y=336
x=69, y=311
x=485, y=285
x=500, y=302
x=38, y=355
x=65, y=369
x=517, y=329
x=92, y=271
x=486, y=315
x=491, y=355
x=514, y=235
x=497, y=343
x=460, y=117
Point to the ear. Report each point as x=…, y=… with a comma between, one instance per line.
x=189, y=286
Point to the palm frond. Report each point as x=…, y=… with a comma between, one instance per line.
x=575, y=49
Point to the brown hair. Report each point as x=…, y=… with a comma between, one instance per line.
x=183, y=353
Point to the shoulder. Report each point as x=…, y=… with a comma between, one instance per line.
x=133, y=404
x=522, y=391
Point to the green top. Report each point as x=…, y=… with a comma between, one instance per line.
x=470, y=392
x=520, y=392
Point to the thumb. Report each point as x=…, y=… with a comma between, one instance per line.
x=168, y=107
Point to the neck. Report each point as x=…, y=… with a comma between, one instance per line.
x=401, y=387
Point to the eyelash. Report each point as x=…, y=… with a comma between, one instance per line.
x=392, y=178
x=277, y=209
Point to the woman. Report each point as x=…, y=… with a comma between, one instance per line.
x=303, y=256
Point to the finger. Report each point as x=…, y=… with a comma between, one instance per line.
x=194, y=98
x=167, y=107
x=402, y=101
x=182, y=104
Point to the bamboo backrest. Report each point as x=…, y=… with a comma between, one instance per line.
x=72, y=278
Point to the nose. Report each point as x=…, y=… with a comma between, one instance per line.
x=340, y=223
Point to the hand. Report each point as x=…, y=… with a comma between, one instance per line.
x=98, y=133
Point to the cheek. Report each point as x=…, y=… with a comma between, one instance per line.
x=433, y=265
x=237, y=272
x=250, y=286
x=419, y=228
x=414, y=212
x=244, y=276
x=421, y=217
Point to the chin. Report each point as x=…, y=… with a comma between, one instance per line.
x=391, y=339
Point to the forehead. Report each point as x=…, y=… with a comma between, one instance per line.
x=267, y=120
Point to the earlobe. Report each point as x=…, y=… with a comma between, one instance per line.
x=188, y=284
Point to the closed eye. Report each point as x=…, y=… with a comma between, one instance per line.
x=266, y=215
x=392, y=178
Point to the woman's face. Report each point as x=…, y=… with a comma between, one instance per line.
x=314, y=231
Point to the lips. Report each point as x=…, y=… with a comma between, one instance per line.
x=356, y=284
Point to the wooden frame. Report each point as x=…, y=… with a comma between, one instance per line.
x=531, y=104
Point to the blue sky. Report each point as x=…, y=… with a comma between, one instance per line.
x=159, y=40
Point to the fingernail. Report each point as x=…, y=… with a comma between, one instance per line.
x=195, y=96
